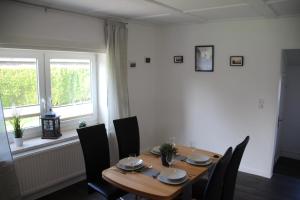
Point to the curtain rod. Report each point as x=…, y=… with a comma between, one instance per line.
x=61, y=10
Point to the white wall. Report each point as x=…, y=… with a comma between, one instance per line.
x=143, y=41
x=290, y=137
x=218, y=109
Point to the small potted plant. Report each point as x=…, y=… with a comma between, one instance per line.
x=166, y=150
x=18, y=131
x=82, y=124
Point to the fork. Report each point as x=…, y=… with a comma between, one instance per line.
x=156, y=175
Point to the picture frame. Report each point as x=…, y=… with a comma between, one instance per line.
x=147, y=60
x=178, y=59
x=204, y=58
x=237, y=61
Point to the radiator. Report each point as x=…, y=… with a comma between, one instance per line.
x=48, y=167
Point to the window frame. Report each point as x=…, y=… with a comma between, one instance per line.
x=44, y=83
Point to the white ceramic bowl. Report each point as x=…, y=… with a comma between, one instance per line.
x=198, y=158
x=155, y=150
x=130, y=162
x=173, y=174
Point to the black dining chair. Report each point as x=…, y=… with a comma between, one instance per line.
x=127, y=132
x=95, y=148
x=232, y=170
x=214, y=186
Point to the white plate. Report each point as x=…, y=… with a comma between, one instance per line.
x=155, y=150
x=130, y=162
x=167, y=181
x=198, y=158
x=129, y=168
x=198, y=164
x=173, y=174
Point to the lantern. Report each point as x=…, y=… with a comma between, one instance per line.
x=50, y=127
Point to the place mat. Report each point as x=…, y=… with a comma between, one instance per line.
x=150, y=172
x=180, y=157
x=151, y=154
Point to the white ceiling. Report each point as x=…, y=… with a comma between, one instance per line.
x=177, y=11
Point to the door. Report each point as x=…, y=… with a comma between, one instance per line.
x=282, y=90
x=280, y=123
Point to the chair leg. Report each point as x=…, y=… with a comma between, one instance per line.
x=90, y=190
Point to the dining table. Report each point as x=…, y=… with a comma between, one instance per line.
x=148, y=186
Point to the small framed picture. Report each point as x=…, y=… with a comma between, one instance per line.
x=147, y=60
x=236, y=61
x=178, y=59
x=204, y=58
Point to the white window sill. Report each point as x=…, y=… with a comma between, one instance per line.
x=34, y=145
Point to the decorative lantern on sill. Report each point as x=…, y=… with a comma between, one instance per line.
x=50, y=125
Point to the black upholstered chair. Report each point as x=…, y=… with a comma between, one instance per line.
x=232, y=170
x=127, y=131
x=214, y=186
x=95, y=148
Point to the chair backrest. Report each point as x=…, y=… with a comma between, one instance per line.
x=127, y=131
x=232, y=170
x=214, y=187
x=95, y=148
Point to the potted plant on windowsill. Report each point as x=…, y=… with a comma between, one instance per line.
x=18, y=131
x=166, y=149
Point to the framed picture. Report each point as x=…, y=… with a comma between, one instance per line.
x=236, y=60
x=178, y=59
x=204, y=58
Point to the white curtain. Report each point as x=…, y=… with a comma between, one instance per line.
x=8, y=181
x=116, y=35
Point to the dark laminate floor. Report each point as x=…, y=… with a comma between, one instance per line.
x=279, y=187
x=249, y=187
x=287, y=166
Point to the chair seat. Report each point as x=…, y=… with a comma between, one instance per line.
x=107, y=190
x=199, y=188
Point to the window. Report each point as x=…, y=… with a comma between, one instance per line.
x=30, y=78
x=19, y=87
x=71, y=87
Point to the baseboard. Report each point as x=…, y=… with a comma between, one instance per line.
x=276, y=158
x=256, y=172
x=288, y=154
x=55, y=188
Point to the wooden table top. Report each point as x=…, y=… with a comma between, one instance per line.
x=146, y=186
